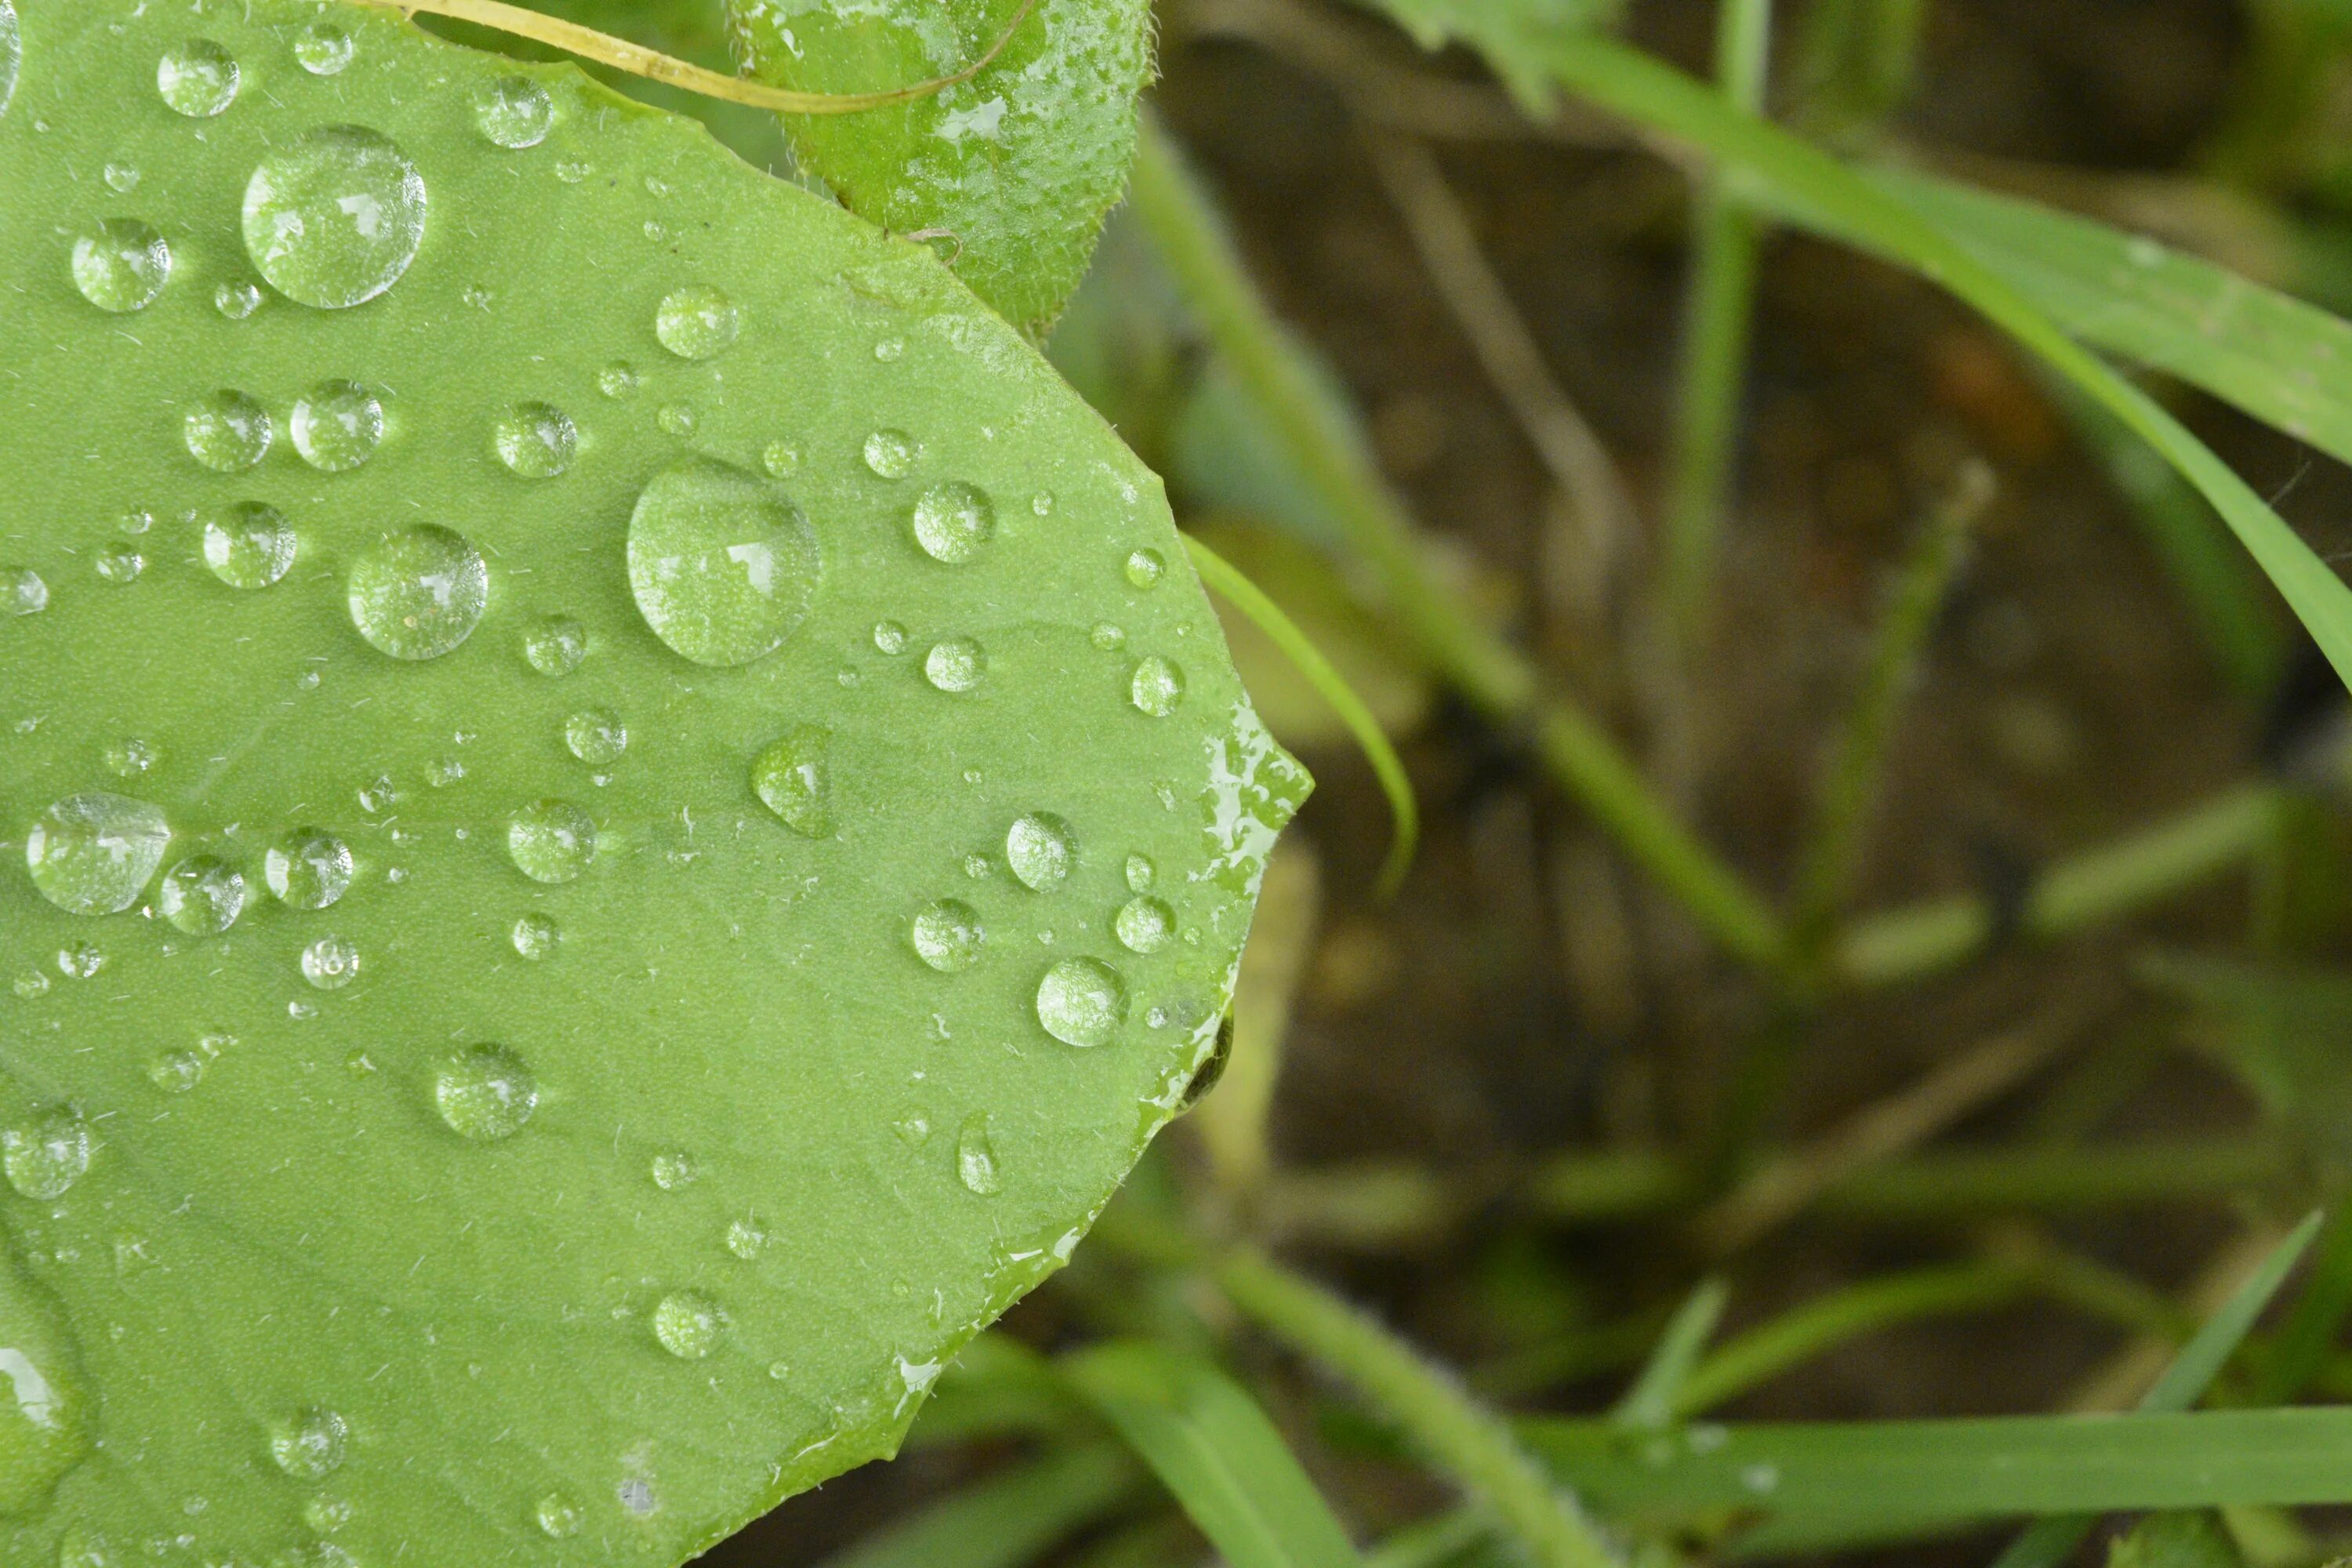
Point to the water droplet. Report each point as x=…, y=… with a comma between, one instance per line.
x=1145, y=925
x=1140, y=873
x=747, y=1238
x=236, y=300
x=536, y=936
x=418, y=593
x=537, y=440
x=955, y=664
x=203, y=895
x=696, y=322
x=127, y=759
x=21, y=592
x=120, y=178
x=550, y=841
x=326, y=1515
x=81, y=960
x=948, y=936
x=890, y=453
x=135, y=521
x=596, y=736
x=781, y=459
x=337, y=425
x=1082, y=1002
x=617, y=379
x=309, y=1445
x=44, y=1157
x=555, y=644
x=890, y=350
x=119, y=562
x=121, y=267
x=673, y=1172
x=514, y=113
x=1144, y=568
x=677, y=418
x=1041, y=504
x=689, y=1324
x=572, y=171
x=250, y=545
x=94, y=853
x=228, y=432
x=485, y=1093
x=82, y=1547
x=331, y=963
x=976, y=1157
x=1157, y=687
x=913, y=1127
x=310, y=868
x=889, y=637
x=559, y=1516
x=1108, y=638
x=322, y=48
x=176, y=1071
x=1039, y=849
x=198, y=80
x=334, y=217
x=723, y=565
x=12, y=52
x=953, y=522
x=793, y=779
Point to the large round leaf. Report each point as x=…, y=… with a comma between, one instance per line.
x=619, y=814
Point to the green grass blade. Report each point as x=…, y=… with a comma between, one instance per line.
x=1007, y=1520
x=1217, y=1454
x=1657, y=1392
x=1404, y=809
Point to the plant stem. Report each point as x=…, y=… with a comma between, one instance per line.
x=1657, y=1394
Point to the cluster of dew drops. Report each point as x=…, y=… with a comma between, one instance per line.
x=332, y=219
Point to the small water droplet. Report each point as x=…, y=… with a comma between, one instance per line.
x=250, y=545
x=198, y=80
x=560, y=1517
x=572, y=171
x=326, y=1515
x=948, y=936
x=889, y=637
x=913, y=1127
x=43, y=1158
x=955, y=664
x=309, y=1445
x=536, y=440
x=550, y=841
x=617, y=379
x=322, y=48
x=485, y=1093
x=689, y=1324
x=236, y=300
x=747, y=1238
x=723, y=565
x=890, y=453
x=128, y=758
x=677, y=418
x=135, y=521
x=203, y=895
x=337, y=425
x=953, y=522
x=334, y=217
x=675, y=1171
x=1145, y=925
x=94, y=853
x=176, y=1071
x=11, y=53
x=1082, y=1002
x=228, y=432
x=331, y=963
x=1157, y=687
x=81, y=960
x=781, y=459
x=596, y=736
x=1041, y=504
x=1040, y=849
x=82, y=1547
x=976, y=1157
x=1106, y=637
x=793, y=778
x=696, y=322
x=555, y=644
x=514, y=113
x=419, y=593
x=21, y=592
x=310, y=868
x=1140, y=873
x=119, y=562
x=1144, y=568
x=890, y=350
x=120, y=178
x=121, y=265
x=536, y=937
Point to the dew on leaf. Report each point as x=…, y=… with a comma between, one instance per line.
x=236, y=300
x=203, y=895
x=559, y=1516
x=1082, y=1002
x=322, y=48
x=485, y=1093
x=792, y=777
x=675, y=1171
x=550, y=841
x=418, y=593
x=955, y=664
x=536, y=936
x=913, y=1127
x=1157, y=687
x=176, y=1071
x=228, y=432
x=119, y=562
x=121, y=265
x=617, y=379
x=696, y=322
x=689, y=1324
x=249, y=546
x=514, y=113
x=596, y=736
x=337, y=425
x=21, y=592
x=555, y=644
x=44, y=1157
x=1041, y=504
x=948, y=935
x=1108, y=638
x=199, y=78
x=953, y=522
x=81, y=960
x=781, y=459
x=1140, y=873
x=310, y=868
x=723, y=565
x=1040, y=848
x=747, y=1238
x=976, y=1157
x=120, y=178
x=93, y=854
x=335, y=217
x=12, y=52
x=331, y=963
x=890, y=454
x=677, y=418
x=135, y=521
x=309, y=1445
x=1144, y=925
x=536, y=440
x=127, y=759
x=889, y=637
x=1144, y=568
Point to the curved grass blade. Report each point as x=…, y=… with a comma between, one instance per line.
x=1010, y=1518
x=1657, y=1392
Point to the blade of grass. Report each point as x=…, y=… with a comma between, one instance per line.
x=2306, y=1338
x=1434, y=1542
x=1008, y=1519
x=1404, y=810
x=1217, y=1454
x=1649, y=1405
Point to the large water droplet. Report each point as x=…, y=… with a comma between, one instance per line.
x=513, y=112
x=202, y=895
x=555, y=644
x=123, y=266
x=335, y=217
x=1040, y=851
x=250, y=545
x=21, y=592
x=310, y=868
x=44, y=1157
x=723, y=565
x=485, y=1093
x=1157, y=687
x=94, y=853
x=689, y=1324
x=596, y=736
x=420, y=593
x=890, y=453
x=537, y=440
x=948, y=935
x=1144, y=925
x=337, y=427
x=322, y=49
x=331, y=963
x=1082, y=1002
x=309, y=1445
x=793, y=778
x=198, y=80
x=550, y=841
x=696, y=322
x=955, y=664
x=976, y=1157
x=228, y=432
x=952, y=521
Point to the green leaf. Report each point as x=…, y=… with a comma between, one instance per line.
x=1013, y=169
x=2176, y=1541
x=1218, y=1455
x=1008, y=1519
x=664, y=1023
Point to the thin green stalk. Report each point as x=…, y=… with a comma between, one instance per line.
x=1657, y=1394
x=1473, y=1445
x=2303, y=1343
x=1718, y=315
x=1201, y=256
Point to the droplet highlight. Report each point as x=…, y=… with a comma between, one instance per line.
x=955, y=664
x=310, y=868
x=203, y=895
x=310, y=1445
x=689, y=1324
x=1040, y=849
x=976, y=1158
x=228, y=432
x=44, y=1157
x=596, y=736
x=536, y=440
x=1144, y=925
x=1157, y=687
x=514, y=113
x=199, y=78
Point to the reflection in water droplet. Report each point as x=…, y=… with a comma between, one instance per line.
x=617, y=379
x=94, y=853
x=976, y=1157
x=1144, y=568
x=1140, y=873
x=696, y=322
x=21, y=592
x=119, y=562
x=331, y=963
x=913, y=1127
x=250, y=545
x=677, y=418
x=337, y=425
x=418, y=593
x=948, y=935
x=559, y=1516
x=485, y=1093
x=334, y=217
x=889, y=637
x=176, y=1072
x=44, y=1157
x=890, y=453
x=310, y=1445
x=675, y=1171
x=1082, y=1002
x=198, y=80
x=955, y=664
x=310, y=868
x=81, y=960
x=555, y=644
x=781, y=459
x=723, y=565
x=120, y=178
x=237, y=300
x=536, y=936
x=228, y=432
x=513, y=112
x=793, y=779
x=121, y=267
x=128, y=758
x=953, y=522
x=1040, y=849
x=536, y=440
x=1145, y=925
x=747, y=1238
x=322, y=48
x=1157, y=687
x=596, y=736
x=689, y=1324
x=550, y=841
x=202, y=895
